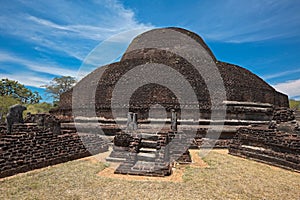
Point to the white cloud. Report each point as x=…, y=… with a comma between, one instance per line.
x=49, y=68
x=67, y=29
x=28, y=79
x=250, y=21
x=280, y=74
x=52, y=70
x=48, y=23
x=291, y=88
x=71, y=28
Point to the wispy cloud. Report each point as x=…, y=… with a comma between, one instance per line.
x=49, y=23
x=49, y=68
x=280, y=74
x=250, y=21
x=66, y=33
x=71, y=28
x=28, y=78
x=291, y=88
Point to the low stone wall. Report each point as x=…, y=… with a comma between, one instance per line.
x=283, y=115
x=201, y=140
x=30, y=147
x=269, y=146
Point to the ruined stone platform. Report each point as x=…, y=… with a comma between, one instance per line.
x=270, y=146
x=30, y=146
x=151, y=154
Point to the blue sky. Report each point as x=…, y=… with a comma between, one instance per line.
x=41, y=40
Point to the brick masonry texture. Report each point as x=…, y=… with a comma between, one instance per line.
x=240, y=84
x=30, y=147
x=269, y=146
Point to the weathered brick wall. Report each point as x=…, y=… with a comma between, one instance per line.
x=267, y=145
x=283, y=114
x=29, y=147
x=240, y=84
x=243, y=85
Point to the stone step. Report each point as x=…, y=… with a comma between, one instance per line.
x=146, y=157
x=149, y=136
x=142, y=172
x=147, y=150
x=150, y=169
x=143, y=166
x=148, y=143
x=113, y=159
x=119, y=154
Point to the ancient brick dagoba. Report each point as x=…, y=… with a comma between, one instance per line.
x=248, y=97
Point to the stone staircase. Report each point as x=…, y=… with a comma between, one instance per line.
x=150, y=156
x=149, y=153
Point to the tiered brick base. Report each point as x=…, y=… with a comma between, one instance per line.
x=268, y=146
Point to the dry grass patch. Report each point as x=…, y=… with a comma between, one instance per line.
x=226, y=177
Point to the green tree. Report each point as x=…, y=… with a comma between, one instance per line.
x=14, y=89
x=39, y=108
x=59, y=85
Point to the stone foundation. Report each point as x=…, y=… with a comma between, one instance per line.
x=269, y=146
x=283, y=115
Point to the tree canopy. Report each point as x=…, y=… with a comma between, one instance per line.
x=59, y=85
x=14, y=89
x=12, y=92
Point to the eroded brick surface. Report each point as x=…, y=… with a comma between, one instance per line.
x=268, y=145
x=30, y=147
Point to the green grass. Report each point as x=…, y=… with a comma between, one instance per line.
x=228, y=177
x=294, y=104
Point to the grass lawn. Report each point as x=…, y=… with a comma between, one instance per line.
x=226, y=177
